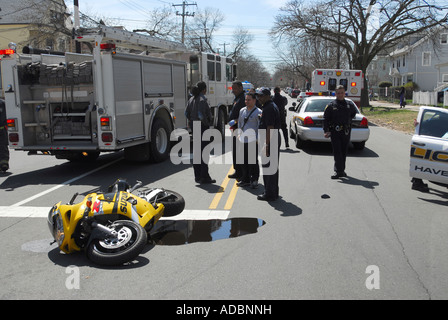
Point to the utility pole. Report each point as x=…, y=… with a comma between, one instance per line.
x=77, y=25
x=339, y=43
x=224, y=44
x=184, y=14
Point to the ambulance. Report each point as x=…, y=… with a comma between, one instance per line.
x=325, y=81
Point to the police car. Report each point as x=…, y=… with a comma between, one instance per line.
x=307, y=123
x=429, y=147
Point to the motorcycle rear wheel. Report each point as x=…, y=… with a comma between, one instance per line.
x=128, y=244
x=174, y=203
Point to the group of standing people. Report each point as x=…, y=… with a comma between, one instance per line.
x=251, y=112
x=255, y=111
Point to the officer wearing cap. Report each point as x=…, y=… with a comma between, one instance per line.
x=4, y=151
x=269, y=121
x=338, y=116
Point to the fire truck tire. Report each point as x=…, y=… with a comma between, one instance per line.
x=160, y=141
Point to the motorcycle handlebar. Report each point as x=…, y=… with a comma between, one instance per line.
x=137, y=185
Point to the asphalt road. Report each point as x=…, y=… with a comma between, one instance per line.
x=366, y=237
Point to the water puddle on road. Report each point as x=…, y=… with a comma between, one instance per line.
x=179, y=232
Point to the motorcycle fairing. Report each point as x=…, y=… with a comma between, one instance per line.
x=95, y=206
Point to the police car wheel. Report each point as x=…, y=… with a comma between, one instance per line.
x=299, y=142
x=359, y=145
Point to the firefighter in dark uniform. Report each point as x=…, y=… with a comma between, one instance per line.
x=4, y=151
x=338, y=116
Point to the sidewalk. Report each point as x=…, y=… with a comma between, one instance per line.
x=385, y=104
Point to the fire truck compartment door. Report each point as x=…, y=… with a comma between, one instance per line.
x=128, y=100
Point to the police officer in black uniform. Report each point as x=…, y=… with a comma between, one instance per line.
x=270, y=120
x=338, y=116
x=238, y=103
x=281, y=102
x=4, y=151
x=198, y=110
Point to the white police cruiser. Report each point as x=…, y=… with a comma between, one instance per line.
x=307, y=120
x=429, y=148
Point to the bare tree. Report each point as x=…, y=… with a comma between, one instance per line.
x=201, y=31
x=252, y=70
x=241, y=40
x=50, y=25
x=362, y=28
x=303, y=55
x=161, y=23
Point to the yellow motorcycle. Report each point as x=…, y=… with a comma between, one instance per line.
x=112, y=228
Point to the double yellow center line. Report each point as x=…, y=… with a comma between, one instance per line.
x=222, y=189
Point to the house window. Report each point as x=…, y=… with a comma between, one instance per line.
x=426, y=59
x=404, y=61
x=444, y=77
x=444, y=38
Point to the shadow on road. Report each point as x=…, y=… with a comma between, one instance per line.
x=66, y=171
x=325, y=149
x=286, y=208
x=357, y=182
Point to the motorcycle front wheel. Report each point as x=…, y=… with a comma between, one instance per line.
x=128, y=243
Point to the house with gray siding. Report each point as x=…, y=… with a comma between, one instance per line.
x=422, y=60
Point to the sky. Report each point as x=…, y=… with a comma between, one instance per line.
x=255, y=16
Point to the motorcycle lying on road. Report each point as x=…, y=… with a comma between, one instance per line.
x=113, y=227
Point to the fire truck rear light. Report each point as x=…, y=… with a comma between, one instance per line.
x=13, y=137
x=107, y=46
x=353, y=84
x=105, y=124
x=320, y=73
x=322, y=83
x=11, y=124
x=7, y=52
x=357, y=74
x=107, y=137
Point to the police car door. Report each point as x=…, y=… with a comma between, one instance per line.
x=429, y=149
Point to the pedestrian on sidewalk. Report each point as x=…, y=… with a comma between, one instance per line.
x=402, y=97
